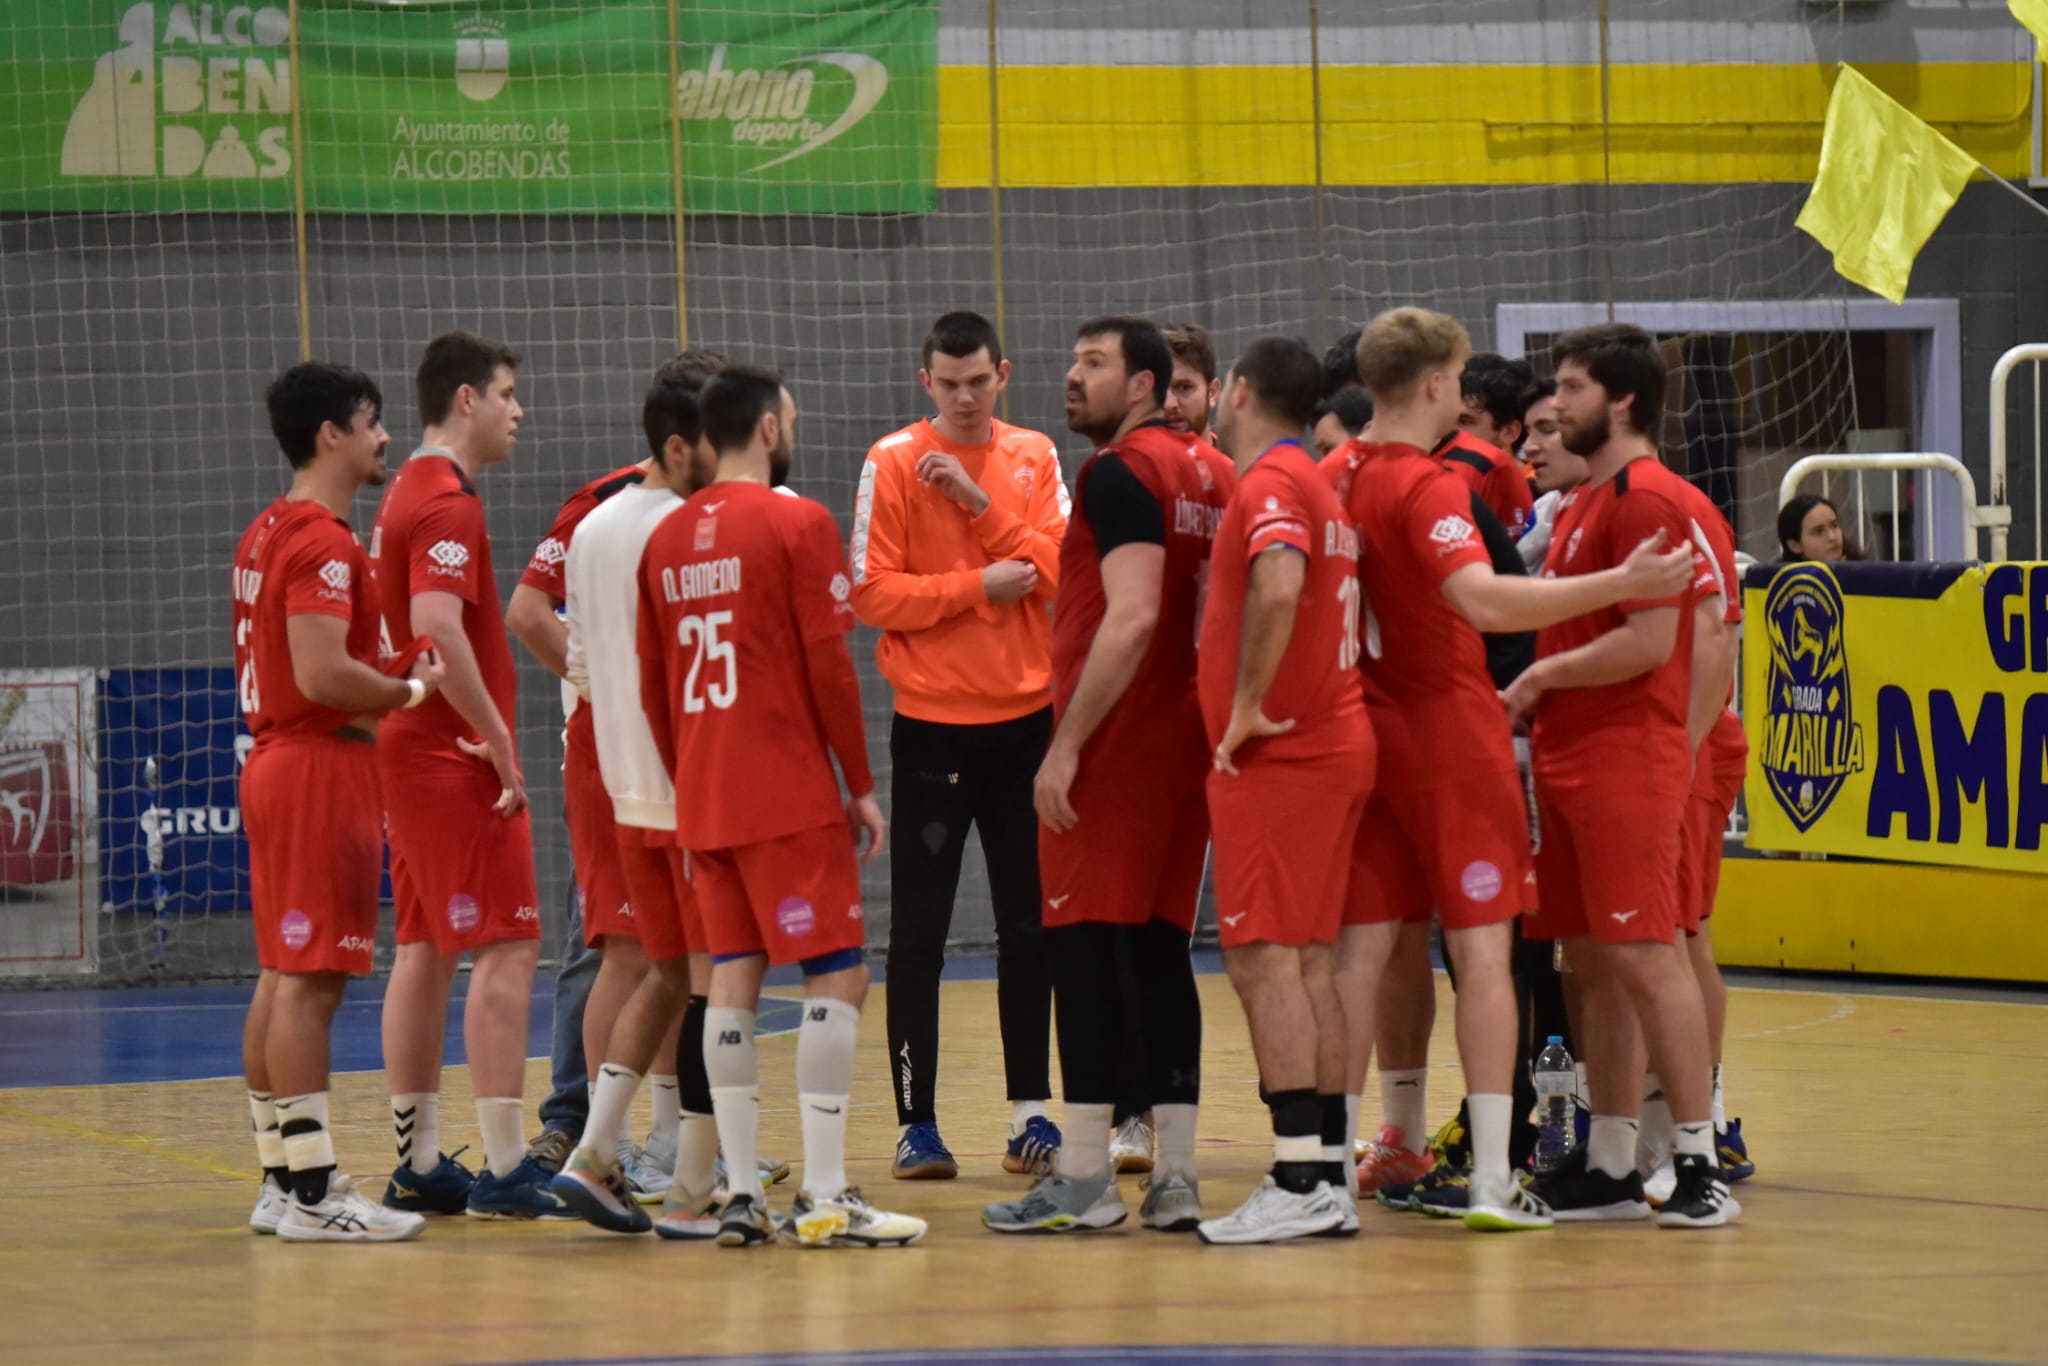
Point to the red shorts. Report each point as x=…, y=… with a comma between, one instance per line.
x=594, y=844
x=1608, y=866
x=793, y=897
x=1283, y=856
x=309, y=805
x=663, y=908
x=1699, y=859
x=462, y=875
x=1461, y=849
x=1136, y=855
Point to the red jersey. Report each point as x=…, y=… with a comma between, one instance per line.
x=1499, y=480
x=296, y=559
x=1282, y=501
x=1724, y=757
x=732, y=587
x=1156, y=486
x=429, y=537
x=1632, y=734
x=1435, y=712
x=544, y=571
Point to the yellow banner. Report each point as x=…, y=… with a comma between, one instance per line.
x=1899, y=711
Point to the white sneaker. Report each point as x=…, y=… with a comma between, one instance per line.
x=1272, y=1215
x=1516, y=1211
x=689, y=1218
x=1662, y=1181
x=346, y=1217
x=1173, y=1204
x=1130, y=1148
x=645, y=1177
x=1349, y=1227
x=272, y=1200
x=848, y=1220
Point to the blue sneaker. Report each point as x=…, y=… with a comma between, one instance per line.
x=1029, y=1152
x=444, y=1190
x=1733, y=1152
x=526, y=1194
x=921, y=1155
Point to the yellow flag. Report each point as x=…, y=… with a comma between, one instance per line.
x=1886, y=181
x=2034, y=15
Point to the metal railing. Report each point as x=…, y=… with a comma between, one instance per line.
x=1994, y=517
x=2032, y=354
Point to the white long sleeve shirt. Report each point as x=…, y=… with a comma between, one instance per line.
x=603, y=604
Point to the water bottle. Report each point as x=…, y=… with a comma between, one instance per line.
x=1555, y=1080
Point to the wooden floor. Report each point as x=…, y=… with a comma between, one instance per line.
x=1901, y=1211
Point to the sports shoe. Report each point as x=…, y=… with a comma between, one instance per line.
x=1130, y=1147
x=746, y=1222
x=1060, y=1204
x=1348, y=1228
x=1173, y=1204
x=1519, y=1210
x=1272, y=1215
x=1389, y=1162
x=444, y=1190
x=661, y=1151
x=688, y=1218
x=921, y=1155
x=272, y=1200
x=525, y=1194
x=646, y=1179
x=597, y=1190
x=1578, y=1194
x=774, y=1171
x=848, y=1220
x=1031, y=1151
x=1443, y=1194
x=1700, y=1199
x=1733, y=1152
x=346, y=1217
x=551, y=1148
x=1658, y=1184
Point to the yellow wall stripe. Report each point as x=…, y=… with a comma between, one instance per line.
x=1443, y=125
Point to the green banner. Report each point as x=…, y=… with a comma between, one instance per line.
x=470, y=106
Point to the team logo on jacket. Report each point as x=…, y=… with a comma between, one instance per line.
x=1811, y=740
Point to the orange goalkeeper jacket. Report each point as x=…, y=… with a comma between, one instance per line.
x=951, y=654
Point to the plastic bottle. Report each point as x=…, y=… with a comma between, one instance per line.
x=1555, y=1080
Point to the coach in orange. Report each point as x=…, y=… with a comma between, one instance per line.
x=956, y=543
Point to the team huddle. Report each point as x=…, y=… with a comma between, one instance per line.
x=1312, y=675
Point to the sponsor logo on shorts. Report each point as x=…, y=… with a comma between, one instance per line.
x=625, y=911
x=448, y=558
x=853, y=911
x=462, y=913
x=1623, y=917
x=795, y=918
x=1481, y=881
x=295, y=929
x=533, y=912
x=1811, y=740
x=356, y=943
x=1058, y=901
x=1231, y=920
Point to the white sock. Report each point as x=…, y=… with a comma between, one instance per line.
x=825, y=1043
x=1720, y=1111
x=665, y=1094
x=263, y=1119
x=1404, y=1103
x=1352, y=1105
x=416, y=1120
x=1655, y=1134
x=1023, y=1112
x=1695, y=1140
x=305, y=1149
x=735, y=1095
x=504, y=1130
x=1491, y=1116
x=1084, y=1140
x=697, y=1154
x=1611, y=1147
x=1297, y=1148
x=611, y=1110
x=1175, y=1127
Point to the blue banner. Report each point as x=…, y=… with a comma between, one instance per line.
x=171, y=746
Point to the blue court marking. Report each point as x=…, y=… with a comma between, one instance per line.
x=1253, y=1352
x=191, y=1033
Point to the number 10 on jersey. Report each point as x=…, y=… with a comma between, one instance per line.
x=708, y=654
